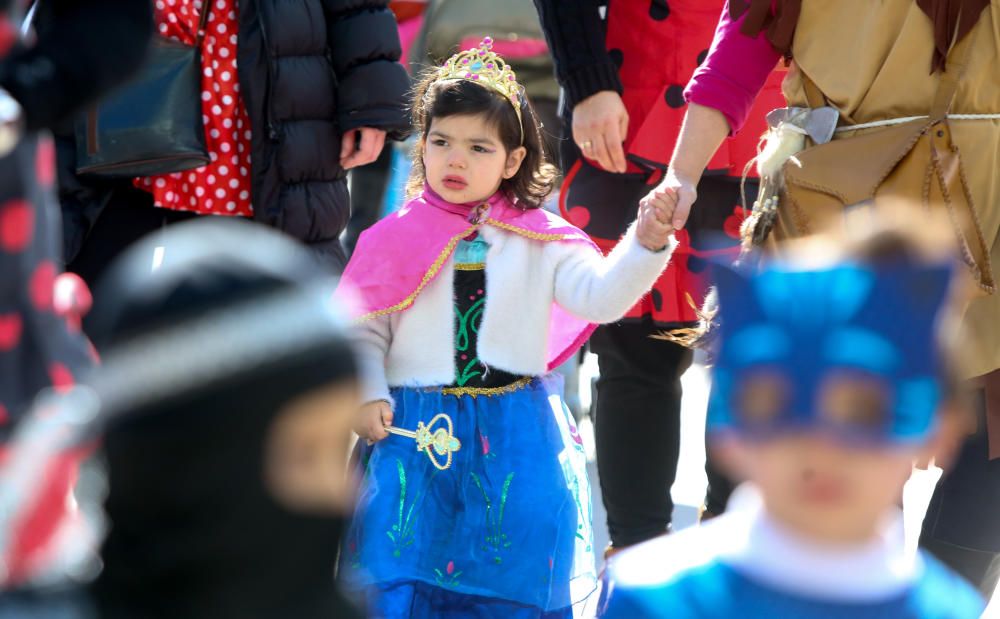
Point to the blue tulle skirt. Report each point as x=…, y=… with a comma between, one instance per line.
x=504, y=531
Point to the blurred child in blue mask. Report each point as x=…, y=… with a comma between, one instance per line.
x=825, y=393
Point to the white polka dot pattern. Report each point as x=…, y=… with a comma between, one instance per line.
x=225, y=117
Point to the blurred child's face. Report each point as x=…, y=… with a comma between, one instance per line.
x=465, y=160
x=821, y=488
x=308, y=448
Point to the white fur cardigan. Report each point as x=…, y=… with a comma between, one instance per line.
x=416, y=347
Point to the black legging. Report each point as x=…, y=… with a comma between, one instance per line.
x=368, y=188
x=637, y=428
x=962, y=525
x=128, y=216
x=720, y=487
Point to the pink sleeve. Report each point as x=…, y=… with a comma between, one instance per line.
x=734, y=71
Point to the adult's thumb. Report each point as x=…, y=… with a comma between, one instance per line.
x=682, y=210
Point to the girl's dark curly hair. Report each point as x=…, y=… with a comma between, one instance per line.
x=432, y=99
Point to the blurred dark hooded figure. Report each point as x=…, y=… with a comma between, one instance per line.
x=226, y=402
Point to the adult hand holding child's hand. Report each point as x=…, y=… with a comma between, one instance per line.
x=654, y=227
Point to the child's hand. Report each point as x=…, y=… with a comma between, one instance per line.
x=654, y=229
x=373, y=420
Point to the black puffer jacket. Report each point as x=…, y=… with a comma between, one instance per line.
x=310, y=70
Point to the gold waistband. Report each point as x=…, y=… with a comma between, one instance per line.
x=488, y=391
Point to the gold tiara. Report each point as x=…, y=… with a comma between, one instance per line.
x=483, y=66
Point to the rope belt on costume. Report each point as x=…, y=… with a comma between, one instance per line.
x=899, y=121
x=441, y=442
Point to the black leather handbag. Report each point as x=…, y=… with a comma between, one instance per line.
x=153, y=124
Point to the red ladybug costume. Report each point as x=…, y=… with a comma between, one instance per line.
x=647, y=51
x=656, y=47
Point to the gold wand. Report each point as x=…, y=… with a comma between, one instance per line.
x=440, y=442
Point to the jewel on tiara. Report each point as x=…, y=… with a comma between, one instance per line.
x=483, y=66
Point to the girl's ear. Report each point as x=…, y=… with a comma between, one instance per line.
x=514, y=160
x=421, y=151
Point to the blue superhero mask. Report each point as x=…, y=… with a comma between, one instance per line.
x=847, y=349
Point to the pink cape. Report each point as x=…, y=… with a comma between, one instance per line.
x=397, y=257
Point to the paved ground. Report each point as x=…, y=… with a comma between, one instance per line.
x=689, y=489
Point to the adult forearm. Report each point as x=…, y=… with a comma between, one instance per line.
x=703, y=130
x=575, y=35
x=702, y=133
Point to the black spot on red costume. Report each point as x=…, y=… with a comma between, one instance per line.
x=617, y=57
x=659, y=9
x=657, y=298
x=696, y=264
x=674, y=96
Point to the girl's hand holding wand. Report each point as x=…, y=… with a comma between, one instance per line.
x=373, y=420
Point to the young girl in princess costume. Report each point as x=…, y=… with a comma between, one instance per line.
x=475, y=501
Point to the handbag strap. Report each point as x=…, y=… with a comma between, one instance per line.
x=206, y=9
x=958, y=197
x=814, y=96
x=957, y=61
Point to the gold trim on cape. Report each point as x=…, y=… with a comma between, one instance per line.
x=428, y=276
x=536, y=236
